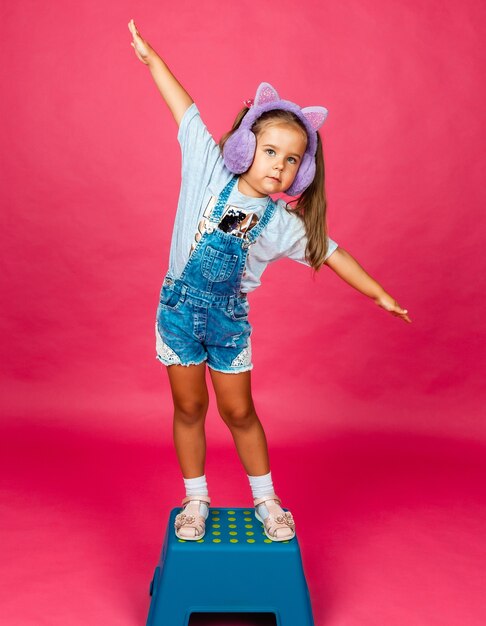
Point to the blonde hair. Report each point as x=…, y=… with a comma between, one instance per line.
x=311, y=205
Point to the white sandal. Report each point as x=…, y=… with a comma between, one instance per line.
x=277, y=520
x=190, y=525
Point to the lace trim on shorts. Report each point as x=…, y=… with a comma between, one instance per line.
x=164, y=351
x=244, y=357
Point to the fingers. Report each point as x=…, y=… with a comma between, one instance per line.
x=138, y=44
x=133, y=29
x=401, y=313
x=396, y=310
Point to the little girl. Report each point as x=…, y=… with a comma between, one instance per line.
x=227, y=229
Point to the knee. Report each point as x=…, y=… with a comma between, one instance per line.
x=190, y=411
x=238, y=416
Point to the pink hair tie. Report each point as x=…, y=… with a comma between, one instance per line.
x=249, y=102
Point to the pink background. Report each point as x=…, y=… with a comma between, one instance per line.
x=375, y=426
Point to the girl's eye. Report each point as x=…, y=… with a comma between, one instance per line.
x=294, y=161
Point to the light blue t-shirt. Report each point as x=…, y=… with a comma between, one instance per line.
x=204, y=175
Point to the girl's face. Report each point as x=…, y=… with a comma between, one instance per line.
x=279, y=151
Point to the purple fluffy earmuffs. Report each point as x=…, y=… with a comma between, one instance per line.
x=239, y=149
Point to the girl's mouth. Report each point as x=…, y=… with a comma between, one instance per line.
x=275, y=179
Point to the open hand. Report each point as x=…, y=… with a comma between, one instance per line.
x=141, y=47
x=390, y=304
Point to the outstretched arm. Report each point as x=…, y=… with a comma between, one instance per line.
x=174, y=94
x=347, y=268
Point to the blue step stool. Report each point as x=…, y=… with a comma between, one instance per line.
x=239, y=570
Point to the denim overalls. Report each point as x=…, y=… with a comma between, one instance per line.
x=203, y=315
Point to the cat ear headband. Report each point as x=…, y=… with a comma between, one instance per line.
x=239, y=149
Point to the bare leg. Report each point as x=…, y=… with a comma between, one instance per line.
x=235, y=405
x=191, y=401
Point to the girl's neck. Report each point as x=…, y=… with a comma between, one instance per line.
x=247, y=190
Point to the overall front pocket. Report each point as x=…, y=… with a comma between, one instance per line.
x=216, y=265
x=169, y=297
x=238, y=309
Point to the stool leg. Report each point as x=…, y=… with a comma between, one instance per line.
x=299, y=613
x=163, y=611
x=163, y=615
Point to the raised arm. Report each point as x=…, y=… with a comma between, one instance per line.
x=347, y=268
x=174, y=94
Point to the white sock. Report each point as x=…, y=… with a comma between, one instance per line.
x=261, y=486
x=198, y=487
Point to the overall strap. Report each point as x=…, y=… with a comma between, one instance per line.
x=263, y=221
x=217, y=211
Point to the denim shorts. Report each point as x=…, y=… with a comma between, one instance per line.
x=194, y=326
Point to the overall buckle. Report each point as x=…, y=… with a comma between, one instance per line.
x=211, y=227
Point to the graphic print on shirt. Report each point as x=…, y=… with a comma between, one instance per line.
x=234, y=221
